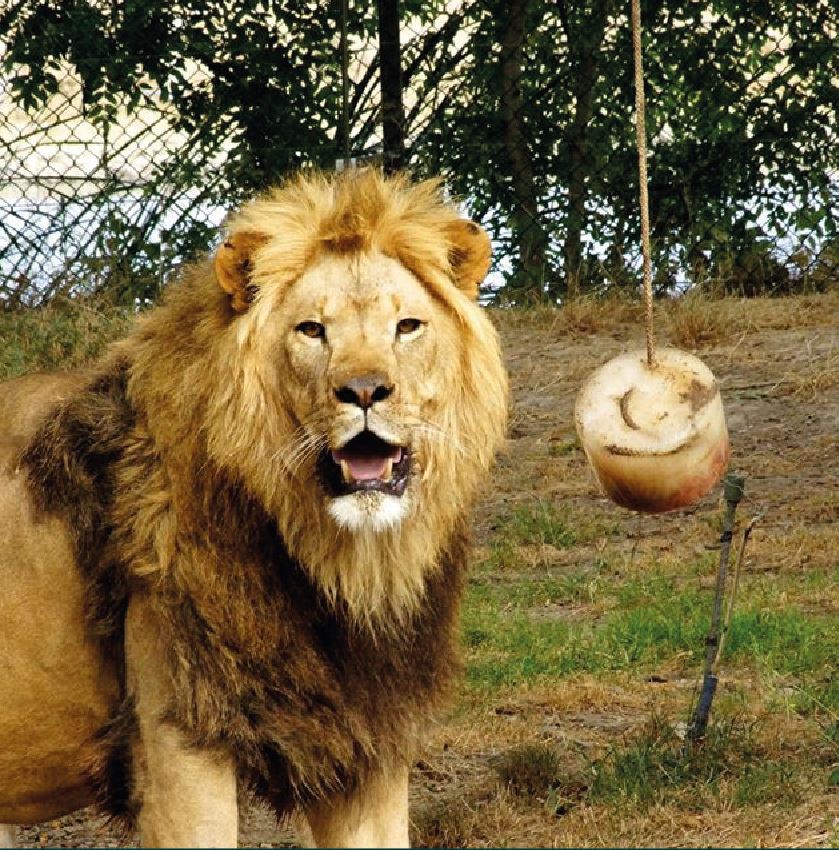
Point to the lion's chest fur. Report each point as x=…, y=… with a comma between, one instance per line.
x=306, y=698
x=258, y=660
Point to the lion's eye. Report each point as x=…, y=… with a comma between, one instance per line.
x=408, y=326
x=313, y=330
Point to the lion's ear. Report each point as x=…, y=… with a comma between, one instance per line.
x=233, y=265
x=470, y=254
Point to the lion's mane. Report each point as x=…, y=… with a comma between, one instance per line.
x=311, y=652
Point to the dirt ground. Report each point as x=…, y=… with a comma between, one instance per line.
x=778, y=366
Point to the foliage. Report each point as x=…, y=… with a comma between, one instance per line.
x=741, y=102
x=269, y=88
x=525, y=107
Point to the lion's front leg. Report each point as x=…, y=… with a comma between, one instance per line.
x=187, y=796
x=374, y=816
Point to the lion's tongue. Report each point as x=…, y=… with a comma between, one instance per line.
x=367, y=467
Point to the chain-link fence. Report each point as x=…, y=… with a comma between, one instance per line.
x=128, y=128
x=90, y=205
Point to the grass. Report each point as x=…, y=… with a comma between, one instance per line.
x=813, y=380
x=735, y=767
x=648, y=620
x=585, y=315
x=531, y=770
x=62, y=336
x=609, y=620
x=539, y=522
x=731, y=767
x=544, y=524
x=512, y=649
x=657, y=762
x=697, y=322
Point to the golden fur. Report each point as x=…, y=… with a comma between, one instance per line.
x=184, y=471
x=247, y=422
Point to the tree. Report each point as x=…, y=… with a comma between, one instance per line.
x=585, y=35
x=525, y=107
x=264, y=83
x=390, y=77
x=742, y=106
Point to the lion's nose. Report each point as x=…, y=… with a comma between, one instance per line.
x=364, y=391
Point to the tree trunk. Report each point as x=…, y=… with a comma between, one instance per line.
x=584, y=42
x=524, y=217
x=390, y=76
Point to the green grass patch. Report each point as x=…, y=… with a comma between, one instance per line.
x=767, y=782
x=538, y=522
x=516, y=632
x=490, y=593
x=500, y=557
x=817, y=693
x=655, y=765
x=787, y=641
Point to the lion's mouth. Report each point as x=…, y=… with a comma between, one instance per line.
x=367, y=463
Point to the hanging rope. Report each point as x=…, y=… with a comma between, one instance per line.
x=641, y=133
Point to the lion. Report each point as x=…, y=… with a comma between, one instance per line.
x=233, y=550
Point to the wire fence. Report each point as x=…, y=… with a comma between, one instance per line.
x=127, y=130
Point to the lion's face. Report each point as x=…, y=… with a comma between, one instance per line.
x=361, y=394
x=366, y=352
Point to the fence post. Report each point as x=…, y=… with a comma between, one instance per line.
x=733, y=485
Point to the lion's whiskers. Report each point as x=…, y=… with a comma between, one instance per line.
x=302, y=452
x=437, y=434
x=308, y=439
x=302, y=445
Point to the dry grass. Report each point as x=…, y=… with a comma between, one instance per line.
x=596, y=315
x=696, y=322
x=61, y=336
x=479, y=818
x=585, y=315
x=583, y=780
x=808, y=824
x=767, y=314
x=530, y=770
x=813, y=380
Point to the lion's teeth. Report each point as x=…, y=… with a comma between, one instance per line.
x=388, y=470
x=345, y=472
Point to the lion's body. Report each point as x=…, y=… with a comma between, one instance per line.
x=56, y=688
x=25, y=401
x=186, y=595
